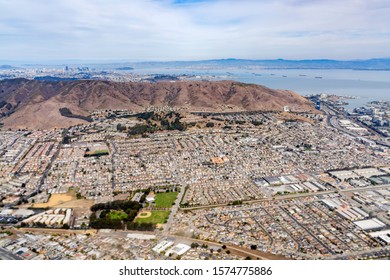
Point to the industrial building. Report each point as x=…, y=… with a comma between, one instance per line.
x=370, y=224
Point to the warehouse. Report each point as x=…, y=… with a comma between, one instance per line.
x=352, y=214
x=368, y=172
x=370, y=224
x=310, y=186
x=383, y=236
x=334, y=203
x=344, y=175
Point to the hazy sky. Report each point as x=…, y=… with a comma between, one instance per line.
x=193, y=29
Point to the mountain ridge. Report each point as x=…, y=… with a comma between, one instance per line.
x=36, y=104
x=128, y=65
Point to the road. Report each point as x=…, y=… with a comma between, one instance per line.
x=333, y=120
x=234, y=249
x=48, y=167
x=307, y=230
x=370, y=251
x=179, y=198
x=113, y=153
x=174, y=209
x=291, y=196
x=6, y=255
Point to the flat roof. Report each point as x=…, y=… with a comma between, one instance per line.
x=379, y=233
x=141, y=236
x=368, y=172
x=178, y=249
x=385, y=238
x=370, y=224
x=344, y=174
x=162, y=246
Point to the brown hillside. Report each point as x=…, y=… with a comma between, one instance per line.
x=35, y=104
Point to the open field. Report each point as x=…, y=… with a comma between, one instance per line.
x=65, y=200
x=56, y=199
x=165, y=200
x=117, y=215
x=156, y=217
x=78, y=203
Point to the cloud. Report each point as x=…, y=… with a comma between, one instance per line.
x=193, y=29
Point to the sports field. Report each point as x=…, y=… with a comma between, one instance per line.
x=166, y=199
x=144, y=214
x=156, y=217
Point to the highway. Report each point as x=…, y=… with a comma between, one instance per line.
x=291, y=196
x=333, y=120
x=6, y=255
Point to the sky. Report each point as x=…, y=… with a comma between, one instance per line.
x=166, y=30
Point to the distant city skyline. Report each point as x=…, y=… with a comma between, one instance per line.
x=167, y=30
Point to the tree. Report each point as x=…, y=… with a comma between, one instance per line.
x=224, y=247
x=120, y=127
x=253, y=247
x=210, y=124
x=194, y=245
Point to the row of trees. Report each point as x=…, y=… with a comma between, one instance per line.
x=141, y=226
x=105, y=222
x=117, y=205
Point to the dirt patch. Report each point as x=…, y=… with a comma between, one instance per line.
x=294, y=117
x=55, y=200
x=65, y=200
x=79, y=203
x=57, y=231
